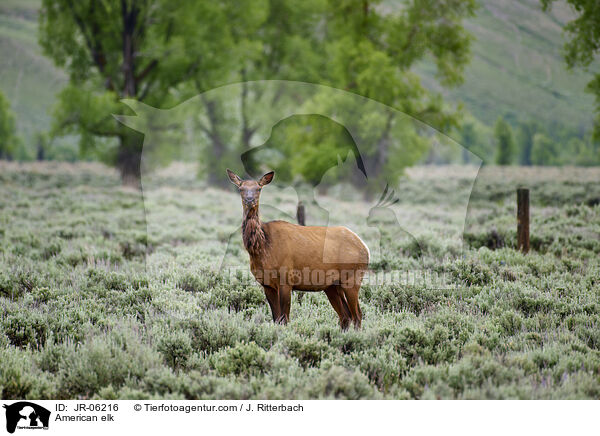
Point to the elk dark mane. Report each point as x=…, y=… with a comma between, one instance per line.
x=254, y=236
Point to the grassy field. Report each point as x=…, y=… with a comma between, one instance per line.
x=95, y=304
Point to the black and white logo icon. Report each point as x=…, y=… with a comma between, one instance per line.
x=26, y=415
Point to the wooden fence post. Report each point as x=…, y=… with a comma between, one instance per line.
x=300, y=215
x=523, y=219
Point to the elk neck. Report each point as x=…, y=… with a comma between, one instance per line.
x=253, y=234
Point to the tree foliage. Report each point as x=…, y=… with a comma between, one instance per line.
x=159, y=52
x=473, y=137
x=505, y=142
x=524, y=140
x=114, y=49
x=9, y=142
x=584, y=44
x=544, y=150
x=358, y=46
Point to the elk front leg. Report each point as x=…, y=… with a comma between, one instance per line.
x=285, y=299
x=273, y=300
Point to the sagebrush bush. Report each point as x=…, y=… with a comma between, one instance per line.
x=114, y=359
x=242, y=359
x=308, y=351
x=101, y=298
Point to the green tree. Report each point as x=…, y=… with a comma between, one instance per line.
x=505, y=143
x=576, y=152
x=9, y=142
x=360, y=46
x=305, y=146
x=268, y=39
x=580, y=152
x=41, y=146
x=584, y=44
x=370, y=51
x=159, y=52
x=544, y=150
x=472, y=137
x=524, y=140
x=468, y=139
x=115, y=49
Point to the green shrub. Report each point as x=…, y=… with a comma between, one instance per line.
x=383, y=366
x=97, y=303
x=340, y=383
x=175, y=346
x=308, y=351
x=105, y=360
x=471, y=273
x=16, y=379
x=25, y=329
x=242, y=359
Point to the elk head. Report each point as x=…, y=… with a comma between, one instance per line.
x=250, y=189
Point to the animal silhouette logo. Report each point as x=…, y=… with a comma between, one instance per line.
x=344, y=147
x=382, y=216
x=26, y=415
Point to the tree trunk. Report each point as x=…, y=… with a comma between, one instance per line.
x=301, y=214
x=247, y=131
x=129, y=158
x=129, y=24
x=215, y=176
x=375, y=164
x=40, y=147
x=214, y=162
x=131, y=142
x=40, y=152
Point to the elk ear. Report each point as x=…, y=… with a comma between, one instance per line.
x=234, y=178
x=266, y=179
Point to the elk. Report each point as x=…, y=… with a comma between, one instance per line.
x=286, y=257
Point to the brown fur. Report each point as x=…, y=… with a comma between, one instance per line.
x=253, y=235
x=285, y=256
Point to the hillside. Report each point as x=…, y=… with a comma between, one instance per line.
x=517, y=67
x=28, y=79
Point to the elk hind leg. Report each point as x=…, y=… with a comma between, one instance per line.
x=285, y=300
x=351, y=293
x=337, y=300
x=273, y=300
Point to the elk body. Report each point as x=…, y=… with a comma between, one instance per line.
x=286, y=257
